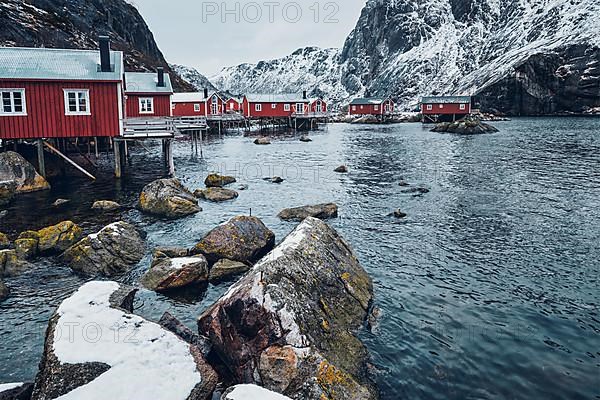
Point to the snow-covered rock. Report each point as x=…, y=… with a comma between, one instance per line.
x=96, y=348
x=287, y=324
x=16, y=391
x=195, y=78
x=251, y=392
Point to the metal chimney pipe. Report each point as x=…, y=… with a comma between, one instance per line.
x=104, y=42
x=304, y=95
x=161, y=76
x=205, y=93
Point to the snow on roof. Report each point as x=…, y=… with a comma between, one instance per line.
x=369, y=100
x=196, y=97
x=276, y=98
x=146, y=82
x=253, y=392
x=57, y=64
x=147, y=361
x=446, y=99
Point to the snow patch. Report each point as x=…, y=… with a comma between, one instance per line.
x=253, y=392
x=5, y=387
x=179, y=263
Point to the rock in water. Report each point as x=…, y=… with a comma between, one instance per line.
x=217, y=181
x=243, y=239
x=168, y=198
x=122, y=357
x=290, y=320
x=4, y=293
x=113, y=250
x=60, y=202
x=224, y=269
x=15, y=168
x=7, y=192
x=59, y=237
x=174, y=273
x=275, y=179
x=11, y=264
x=216, y=195
x=467, y=126
x=105, y=205
x=4, y=241
x=305, y=139
x=342, y=169
x=262, y=141
x=321, y=211
x=399, y=214
x=251, y=392
x=16, y=391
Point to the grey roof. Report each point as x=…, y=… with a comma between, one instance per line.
x=57, y=64
x=276, y=98
x=146, y=82
x=194, y=97
x=369, y=101
x=446, y=99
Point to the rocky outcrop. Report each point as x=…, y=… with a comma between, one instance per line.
x=113, y=250
x=251, y=392
x=16, y=391
x=105, y=205
x=11, y=264
x=59, y=237
x=124, y=356
x=216, y=194
x=465, y=127
x=224, y=269
x=4, y=293
x=168, y=198
x=4, y=241
x=287, y=325
x=174, y=273
x=262, y=141
x=15, y=168
x=218, y=181
x=243, y=239
x=7, y=192
x=321, y=211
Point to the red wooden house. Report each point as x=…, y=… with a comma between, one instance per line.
x=275, y=105
x=318, y=106
x=371, y=106
x=148, y=94
x=234, y=105
x=436, y=108
x=48, y=93
x=189, y=104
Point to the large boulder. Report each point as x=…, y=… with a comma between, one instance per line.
x=467, y=126
x=168, y=198
x=4, y=291
x=15, y=168
x=16, y=391
x=321, y=211
x=113, y=250
x=216, y=195
x=97, y=348
x=287, y=325
x=7, y=192
x=217, y=181
x=244, y=239
x=251, y=392
x=173, y=273
x=59, y=237
x=11, y=264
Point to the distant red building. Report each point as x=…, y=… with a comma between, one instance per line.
x=275, y=105
x=371, y=106
x=148, y=94
x=318, y=106
x=48, y=93
x=189, y=104
x=234, y=104
x=435, y=108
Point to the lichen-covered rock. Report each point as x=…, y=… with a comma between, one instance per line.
x=11, y=264
x=113, y=250
x=173, y=273
x=468, y=126
x=244, y=239
x=251, y=392
x=262, y=141
x=287, y=325
x=16, y=391
x=15, y=168
x=27, y=249
x=217, y=181
x=216, y=195
x=122, y=357
x=4, y=241
x=105, y=205
x=4, y=291
x=320, y=211
x=168, y=198
x=59, y=237
x=7, y=192
x=224, y=269
x=172, y=252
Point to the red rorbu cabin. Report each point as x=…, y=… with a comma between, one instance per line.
x=438, y=108
x=275, y=105
x=234, y=105
x=189, y=104
x=371, y=106
x=147, y=94
x=318, y=106
x=56, y=93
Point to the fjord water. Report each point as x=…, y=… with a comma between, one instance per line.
x=489, y=289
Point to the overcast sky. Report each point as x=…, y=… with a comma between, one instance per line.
x=210, y=35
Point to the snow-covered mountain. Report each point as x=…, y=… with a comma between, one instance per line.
x=195, y=78
x=517, y=56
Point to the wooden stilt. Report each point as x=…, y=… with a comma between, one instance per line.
x=41, y=161
x=117, y=151
x=96, y=147
x=170, y=161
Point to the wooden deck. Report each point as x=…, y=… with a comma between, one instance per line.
x=148, y=128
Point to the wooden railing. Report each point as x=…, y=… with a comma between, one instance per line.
x=190, y=123
x=159, y=127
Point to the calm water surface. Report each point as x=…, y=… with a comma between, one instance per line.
x=489, y=289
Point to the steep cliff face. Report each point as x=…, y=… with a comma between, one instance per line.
x=517, y=56
x=77, y=24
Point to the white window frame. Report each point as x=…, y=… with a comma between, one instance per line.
x=386, y=107
x=429, y=107
x=150, y=101
x=353, y=108
x=273, y=106
x=12, y=102
x=232, y=106
x=463, y=107
x=319, y=107
x=376, y=107
x=441, y=106
x=197, y=107
x=287, y=107
x=86, y=93
x=300, y=106
x=258, y=107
